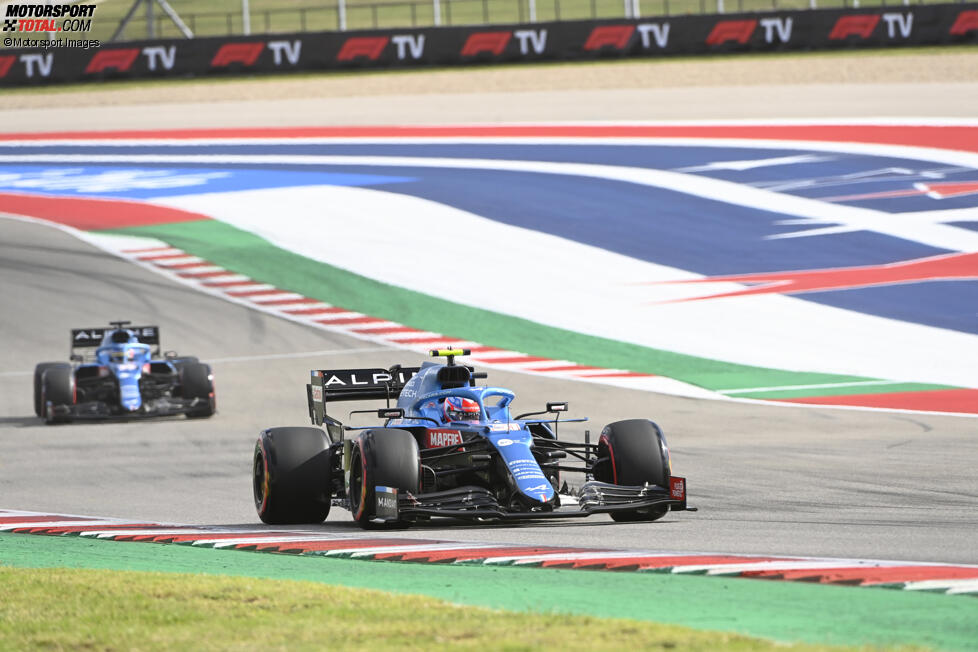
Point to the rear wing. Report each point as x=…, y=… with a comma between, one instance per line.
x=328, y=385
x=89, y=338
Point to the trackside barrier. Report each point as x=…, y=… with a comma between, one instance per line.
x=583, y=40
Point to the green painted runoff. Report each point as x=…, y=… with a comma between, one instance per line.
x=246, y=253
x=782, y=611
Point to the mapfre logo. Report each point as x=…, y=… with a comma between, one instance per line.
x=48, y=18
x=438, y=438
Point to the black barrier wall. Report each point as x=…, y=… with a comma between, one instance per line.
x=671, y=35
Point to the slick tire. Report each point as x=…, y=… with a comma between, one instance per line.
x=57, y=388
x=197, y=381
x=383, y=456
x=292, y=476
x=634, y=452
x=39, y=388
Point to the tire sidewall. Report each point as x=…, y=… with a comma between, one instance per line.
x=387, y=457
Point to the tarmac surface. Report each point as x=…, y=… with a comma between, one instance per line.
x=767, y=479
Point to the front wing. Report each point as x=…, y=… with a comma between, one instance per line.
x=100, y=410
x=479, y=503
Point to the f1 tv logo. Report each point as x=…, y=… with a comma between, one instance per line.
x=741, y=31
x=863, y=25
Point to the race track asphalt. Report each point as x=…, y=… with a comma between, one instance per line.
x=767, y=479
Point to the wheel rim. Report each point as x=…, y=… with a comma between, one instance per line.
x=258, y=481
x=356, y=482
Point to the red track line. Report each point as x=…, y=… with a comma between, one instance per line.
x=254, y=293
x=200, y=263
x=285, y=302
x=869, y=575
x=386, y=330
x=516, y=358
x=350, y=320
x=331, y=310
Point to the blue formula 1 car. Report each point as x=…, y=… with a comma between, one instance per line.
x=451, y=448
x=125, y=377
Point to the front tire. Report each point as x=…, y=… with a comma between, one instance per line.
x=197, y=381
x=292, y=476
x=38, y=386
x=57, y=388
x=387, y=457
x=633, y=452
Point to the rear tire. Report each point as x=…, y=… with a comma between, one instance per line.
x=39, y=388
x=636, y=452
x=57, y=388
x=291, y=478
x=387, y=457
x=197, y=381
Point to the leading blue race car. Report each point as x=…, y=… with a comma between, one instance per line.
x=451, y=448
x=125, y=377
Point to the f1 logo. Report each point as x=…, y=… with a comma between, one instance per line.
x=731, y=30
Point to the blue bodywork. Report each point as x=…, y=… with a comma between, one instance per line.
x=126, y=361
x=119, y=372
x=421, y=399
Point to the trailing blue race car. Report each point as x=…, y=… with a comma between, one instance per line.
x=125, y=377
x=451, y=448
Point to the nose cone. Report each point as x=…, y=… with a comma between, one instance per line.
x=130, y=398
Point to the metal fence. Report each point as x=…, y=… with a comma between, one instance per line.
x=354, y=14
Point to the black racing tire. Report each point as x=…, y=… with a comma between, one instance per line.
x=387, y=457
x=38, y=387
x=292, y=476
x=634, y=452
x=197, y=381
x=183, y=360
x=57, y=388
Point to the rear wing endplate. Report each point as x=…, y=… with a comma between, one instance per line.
x=86, y=338
x=329, y=385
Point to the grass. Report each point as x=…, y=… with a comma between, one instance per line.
x=57, y=608
x=223, y=17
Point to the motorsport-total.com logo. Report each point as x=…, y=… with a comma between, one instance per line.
x=48, y=18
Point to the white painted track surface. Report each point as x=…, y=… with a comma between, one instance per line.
x=768, y=479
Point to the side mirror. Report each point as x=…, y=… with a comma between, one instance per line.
x=557, y=407
x=390, y=413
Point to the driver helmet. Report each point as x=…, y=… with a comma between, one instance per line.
x=458, y=408
x=120, y=337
